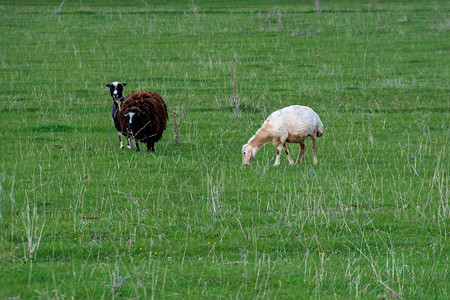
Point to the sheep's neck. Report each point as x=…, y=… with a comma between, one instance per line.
x=259, y=139
x=119, y=102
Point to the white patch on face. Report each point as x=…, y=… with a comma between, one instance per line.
x=115, y=83
x=131, y=115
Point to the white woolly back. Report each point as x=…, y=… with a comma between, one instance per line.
x=293, y=121
x=295, y=118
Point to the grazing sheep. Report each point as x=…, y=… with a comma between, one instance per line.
x=116, y=89
x=292, y=124
x=143, y=117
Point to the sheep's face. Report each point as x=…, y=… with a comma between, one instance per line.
x=116, y=89
x=248, y=154
x=132, y=120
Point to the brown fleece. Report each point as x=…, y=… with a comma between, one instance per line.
x=152, y=111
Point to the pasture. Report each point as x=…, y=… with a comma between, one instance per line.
x=81, y=218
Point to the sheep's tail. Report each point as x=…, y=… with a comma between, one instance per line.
x=319, y=129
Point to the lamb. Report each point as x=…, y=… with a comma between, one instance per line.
x=292, y=124
x=116, y=89
x=143, y=117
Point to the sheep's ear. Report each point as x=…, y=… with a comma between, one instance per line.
x=124, y=84
x=108, y=85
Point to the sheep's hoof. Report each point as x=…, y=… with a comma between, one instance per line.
x=129, y=147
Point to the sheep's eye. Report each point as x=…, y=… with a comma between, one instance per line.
x=244, y=153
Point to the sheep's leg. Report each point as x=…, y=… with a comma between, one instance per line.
x=313, y=139
x=150, y=146
x=136, y=143
x=277, y=159
x=120, y=140
x=302, y=151
x=291, y=162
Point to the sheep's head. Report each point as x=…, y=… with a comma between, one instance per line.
x=133, y=119
x=116, y=89
x=248, y=154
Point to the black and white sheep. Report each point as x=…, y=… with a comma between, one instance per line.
x=292, y=124
x=116, y=89
x=143, y=117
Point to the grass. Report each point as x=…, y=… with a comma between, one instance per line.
x=81, y=218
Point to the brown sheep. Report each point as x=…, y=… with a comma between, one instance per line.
x=143, y=117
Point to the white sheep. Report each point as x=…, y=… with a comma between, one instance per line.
x=292, y=124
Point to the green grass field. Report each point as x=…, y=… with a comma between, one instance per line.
x=80, y=218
